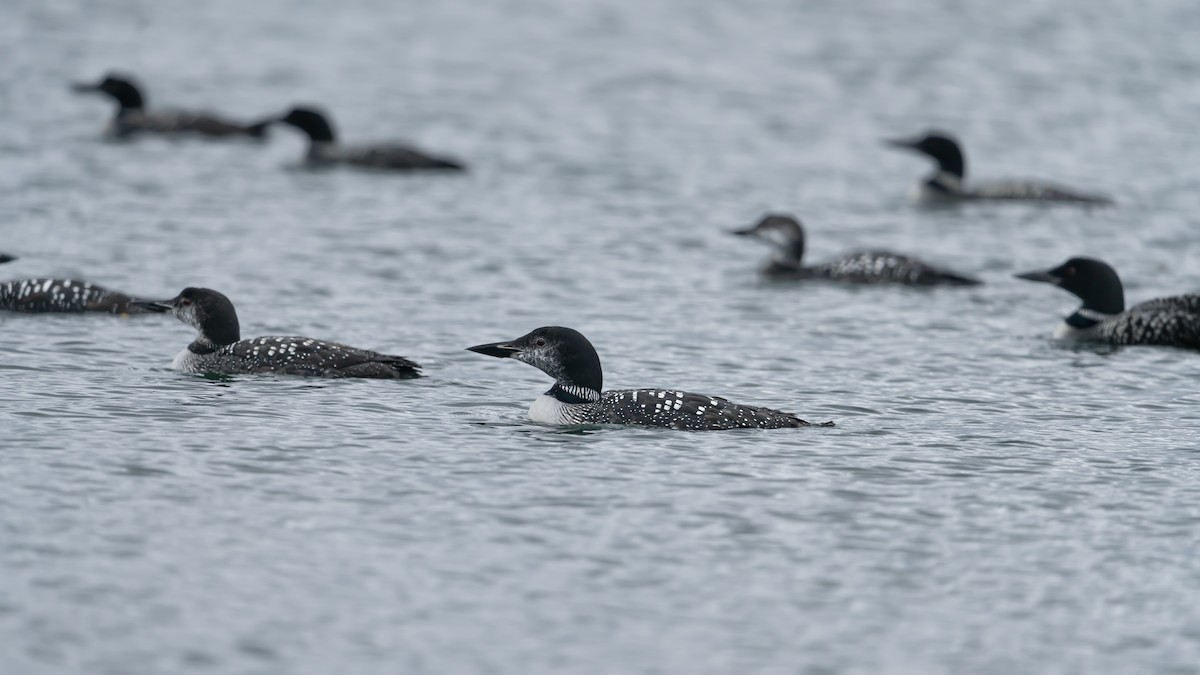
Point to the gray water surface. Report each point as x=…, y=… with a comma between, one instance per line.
x=989, y=502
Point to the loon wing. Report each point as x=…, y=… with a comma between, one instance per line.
x=1189, y=303
x=305, y=356
x=1034, y=191
x=63, y=295
x=873, y=267
x=396, y=157
x=697, y=412
x=1149, y=327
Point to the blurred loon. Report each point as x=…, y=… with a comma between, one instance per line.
x=220, y=349
x=866, y=267
x=324, y=149
x=1172, y=321
x=35, y=296
x=577, y=397
x=132, y=116
x=948, y=183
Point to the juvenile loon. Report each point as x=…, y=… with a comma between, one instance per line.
x=577, y=397
x=323, y=147
x=220, y=349
x=1173, y=321
x=948, y=183
x=865, y=267
x=36, y=296
x=132, y=116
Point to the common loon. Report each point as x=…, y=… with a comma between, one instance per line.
x=577, y=397
x=1173, y=321
x=323, y=147
x=866, y=267
x=948, y=183
x=36, y=296
x=220, y=349
x=132, y=116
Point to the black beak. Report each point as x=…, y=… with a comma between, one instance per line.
x=4, y=257
x=747, y=232
x=500, y=350
x=905, y=143
x=1039, y=275
x=154, y=306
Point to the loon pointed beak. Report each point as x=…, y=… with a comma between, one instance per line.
x=158, y=306
x=4, y=258
x=501, y=350
x=1039, y=275
x=905, y=143
x=751, y=231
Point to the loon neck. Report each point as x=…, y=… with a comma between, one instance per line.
x=203, y=345
x=947, y=182
x=1086, y=318
x=573, y=394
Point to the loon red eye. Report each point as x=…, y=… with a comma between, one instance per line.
x=184, y=302
x=540, y=342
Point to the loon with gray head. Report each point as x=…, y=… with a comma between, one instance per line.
x=323, y=148
x=35, y=296
x=220, y=349
x=133, y=118
x=1172, y=321
x=577, y=396
x=948, y=183
x=786, y=234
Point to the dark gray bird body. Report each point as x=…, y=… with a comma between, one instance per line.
x=132, y=117
x=324, y=149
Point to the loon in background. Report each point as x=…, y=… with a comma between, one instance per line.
x=132, y=116
x=948, y=183
x=1172, y=321
x=220, y=349
x=867, y=267
x=36, y=296
x=323, y=148
x=577, y=396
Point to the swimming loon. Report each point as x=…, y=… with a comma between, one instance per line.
x=865, y=267
x=1173, y=321
x=220, y=349
x=132, y=116
x=576, y=397
x=36, y=296
x=948, y=183
x=323, y=147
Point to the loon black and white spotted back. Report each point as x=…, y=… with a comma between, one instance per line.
x=948, y=183
x=38, y=296
x=323, y=148
x=577, y=396
x=1172, y=321
x=133, y=118
x=220, y=349
x=786, y=235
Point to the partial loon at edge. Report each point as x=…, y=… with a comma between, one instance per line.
x=1171, y=321
x=132, y=116
x=323, y=147
x=948, y=183
x=36, y=296
x=577, y=396
x=786, y=234
x=220, y=349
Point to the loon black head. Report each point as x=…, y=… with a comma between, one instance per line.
x=1094, y=281
x=5, y=258
x=206, y=310
x=941, y=147
x=120, y=88
x=782, y=231
x=311, y=122
x=562, y=353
